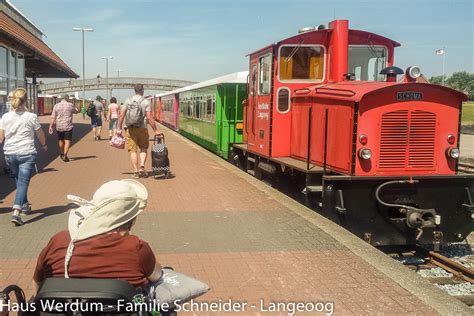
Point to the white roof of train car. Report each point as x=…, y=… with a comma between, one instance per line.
x=236, y=77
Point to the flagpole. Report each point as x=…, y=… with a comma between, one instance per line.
x=444, y=53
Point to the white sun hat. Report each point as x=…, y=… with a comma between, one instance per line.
x=113, y=204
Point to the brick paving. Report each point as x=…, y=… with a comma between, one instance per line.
x=207, y=222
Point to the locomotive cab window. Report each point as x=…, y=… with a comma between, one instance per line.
x=283, y=105
x=301, y=63
x=265, y=67
x=366, y=62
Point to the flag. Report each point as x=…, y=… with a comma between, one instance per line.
x=440, y=51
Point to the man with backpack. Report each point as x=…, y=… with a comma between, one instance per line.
x=94, y=111
x=135, y=114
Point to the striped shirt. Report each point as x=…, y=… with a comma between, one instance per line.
x=62, y=113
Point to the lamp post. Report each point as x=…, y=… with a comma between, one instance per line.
x=107, y=76
x=441, y=51
x=83, y=30
x=118, y=72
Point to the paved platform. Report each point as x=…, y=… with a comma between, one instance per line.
x=467, y=146
x=247, y=241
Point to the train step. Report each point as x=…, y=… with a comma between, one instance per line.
x=314, y=188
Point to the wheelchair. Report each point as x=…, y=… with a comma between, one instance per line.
x=78, y=297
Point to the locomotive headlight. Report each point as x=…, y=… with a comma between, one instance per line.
x=413, y=72
x=453, y=153
x=365, y=153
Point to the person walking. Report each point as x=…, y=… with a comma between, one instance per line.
x=61, y=119
x=112, y=116
x=7, y=108
x=96, y=119
x=83, y=111
x=134, y=116
x=17, y=130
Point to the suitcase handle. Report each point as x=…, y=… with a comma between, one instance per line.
x=158, y=137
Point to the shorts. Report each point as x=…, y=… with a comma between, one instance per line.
x=136, y=138
x=64, y=135
x=96, y=121
x=113, y=123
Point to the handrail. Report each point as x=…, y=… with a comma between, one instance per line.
x=308, y=159
x=350, y=93
x=302, y=91
x=325, y=140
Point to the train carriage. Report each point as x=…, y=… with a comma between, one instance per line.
x=46, y=103
x=325, y=114
x=210, y=112
x=168, y=110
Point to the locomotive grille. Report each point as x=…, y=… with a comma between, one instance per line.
x=407, y=140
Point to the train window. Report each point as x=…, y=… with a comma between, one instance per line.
x=297, y=63
x=265, y=67
x=209, y=106
x=203, y=109
x=253, y=79
x=213, y=107
x=283, y=100
x=366, y=62
x=197, y=108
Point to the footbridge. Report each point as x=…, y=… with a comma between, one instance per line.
x=75, y=85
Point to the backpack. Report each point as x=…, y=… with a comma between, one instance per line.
x=135, y=115
x=91, y=110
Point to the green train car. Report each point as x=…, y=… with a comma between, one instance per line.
x=209, y=113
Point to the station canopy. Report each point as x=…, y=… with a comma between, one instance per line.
x=40, y=60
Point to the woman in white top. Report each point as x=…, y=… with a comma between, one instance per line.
x=112, y=116
x=17, y=132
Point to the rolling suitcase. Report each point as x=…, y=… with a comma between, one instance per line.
x=160, y=163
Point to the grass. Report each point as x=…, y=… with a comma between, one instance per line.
x=468, y=113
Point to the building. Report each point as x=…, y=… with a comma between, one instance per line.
x=24, y=57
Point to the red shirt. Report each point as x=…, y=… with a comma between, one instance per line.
x=104, y=256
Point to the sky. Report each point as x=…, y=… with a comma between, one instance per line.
x=202, y=39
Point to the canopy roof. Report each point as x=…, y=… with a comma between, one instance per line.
x=40, y=60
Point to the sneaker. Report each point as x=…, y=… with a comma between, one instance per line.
x=26, y=209
x=110, y=137
x=66, y=159
x=98, y=138
x=142, y=173
x=16, y=219
x=62, y=156
x=95, y=137
x=136, y=175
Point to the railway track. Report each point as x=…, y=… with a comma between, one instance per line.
x=446, y=273
x=465, y=167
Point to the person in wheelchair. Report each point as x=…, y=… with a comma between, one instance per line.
x=98, y=242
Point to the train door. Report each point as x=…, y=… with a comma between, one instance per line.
x=250, y=106
x=260, y=105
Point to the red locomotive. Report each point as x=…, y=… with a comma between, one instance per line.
x=326, y=112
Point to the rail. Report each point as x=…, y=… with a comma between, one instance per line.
x=451, y=266
x=419, y=258
x=465, y=167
